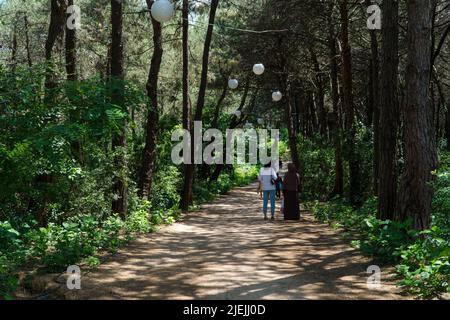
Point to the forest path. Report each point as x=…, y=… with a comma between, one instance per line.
x=227, y=251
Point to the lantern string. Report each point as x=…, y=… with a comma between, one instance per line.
x=196, y=24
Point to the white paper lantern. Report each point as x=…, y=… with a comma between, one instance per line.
x=233, y=84
x=260, y=121
x=238, y=113
x=259, y=69
x=277, y=96
x=162, y=10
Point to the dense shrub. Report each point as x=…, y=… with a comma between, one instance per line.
x=383, y=239
x=317, y=157
x=425, y=265
x=240, y=175
x=422, y=258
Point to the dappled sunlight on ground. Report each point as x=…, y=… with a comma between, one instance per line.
x=227, y=251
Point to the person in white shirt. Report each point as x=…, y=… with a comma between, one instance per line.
x=267, y=178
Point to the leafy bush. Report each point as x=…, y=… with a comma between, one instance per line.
x=240, y=175
x=81, y=237
x=317, y=158
x=385, y=239
x=423, y=259
x=425, y=265
x=10, y=256
x=139, y=220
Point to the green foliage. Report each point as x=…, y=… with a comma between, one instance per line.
x=139, y=220
x=422, y=259
x=283, y=149
x=10, y=255
x=317, y=158
x=240, y=175
x=82, y=237
x=55, y=201
x=385, y=239
x=425, y=265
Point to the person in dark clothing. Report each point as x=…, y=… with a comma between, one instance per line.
x=291, y=184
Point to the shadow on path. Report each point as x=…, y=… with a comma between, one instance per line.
x=227, y=251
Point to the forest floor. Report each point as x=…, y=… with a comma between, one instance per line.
x=227, y=251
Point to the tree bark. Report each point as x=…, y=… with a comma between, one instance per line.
x=189, y=168
x=70, y=44
x=215, y=121
x=71, y=67
x=56, y=29
x=349, y=108
x=420, y=149
x=149, y=153
x=292, y=136
x=205, y=61
x=447, y=127
x=119, y=205
x=375, y=103
x=27, y=40
x=14, y=50
x=236, y=121
x=320, y=92
x=335, y=119
x=389, y=117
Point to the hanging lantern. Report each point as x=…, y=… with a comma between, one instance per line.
x=260, y=121
x=238, y=113
x=248, y=126
x=259, y=69
x=233, y=84
x=277, y=96
x=162, y=10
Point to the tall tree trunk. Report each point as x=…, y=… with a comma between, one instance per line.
x=235, y=122
x=27, y=40
x=297, y=108
x=420, y=149
x=71, y=70
x=205, y=170
x=375, y=107
x=71, y=58
x=215, y=121
x=119, y=205
x=189, y=168
x=292, y=136
x=56, y=29
x=205, y=61
x=389, y=114
x=447, y=127
x=320, y=92
x=14, y=49
x=314, y=121
x=149, y=153
x=335, y=119
x=349, y=107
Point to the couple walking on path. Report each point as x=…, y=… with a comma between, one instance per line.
x=269, y=182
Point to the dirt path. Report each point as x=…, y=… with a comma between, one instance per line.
x=227, y=251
